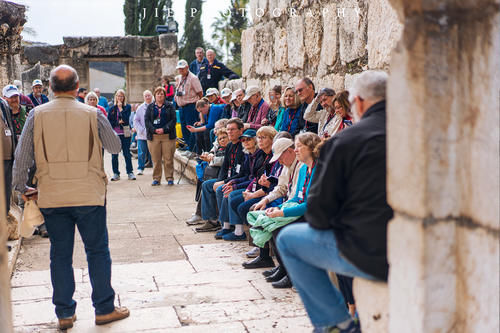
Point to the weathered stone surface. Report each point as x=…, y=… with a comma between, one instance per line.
x=384, y=31
x=280, y=49
x=264, y=49
x=478, y=281
x=247, y=44
x=352, y=29
x=44, y=54
x=314, y=34
x=258, y=10
x=373, y=310
x=422, y=273
x=277, y=8
x=295, y=42
x=297, y=324
x=168, y=44
x=334, y=81
x=350, y=79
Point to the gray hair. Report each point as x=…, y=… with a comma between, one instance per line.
x=89, y=95
x=370, y=85
x=64, y=84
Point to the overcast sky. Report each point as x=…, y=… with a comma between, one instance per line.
x=54, y=19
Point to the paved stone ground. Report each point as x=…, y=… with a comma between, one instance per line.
x=171, y=278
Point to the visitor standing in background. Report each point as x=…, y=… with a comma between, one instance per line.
x=36, y=96
x=200, y=60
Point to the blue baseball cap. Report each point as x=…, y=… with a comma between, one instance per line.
x=249, y=133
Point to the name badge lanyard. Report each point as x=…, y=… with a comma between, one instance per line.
x=306, y=182
x=209, y=68
x=330, y=117
x=6, y=123
x=232, y=156
x=292, y=117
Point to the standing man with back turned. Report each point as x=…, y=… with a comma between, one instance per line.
x=65, y=138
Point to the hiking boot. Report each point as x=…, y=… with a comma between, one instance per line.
x=65, y=323
x=117, y=314
x=208, y=226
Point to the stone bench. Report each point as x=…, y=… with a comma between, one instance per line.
x=189, y=169
x=372, y=304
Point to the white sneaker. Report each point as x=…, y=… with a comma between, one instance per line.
x=194, y=220
x=140, y=172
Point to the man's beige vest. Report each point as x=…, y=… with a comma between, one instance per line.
x=68, y=155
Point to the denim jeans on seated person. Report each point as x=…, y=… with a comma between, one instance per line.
x=224, y=206
x=91, y=224
x=308, y=255
x=238, y=207
x=210, y=200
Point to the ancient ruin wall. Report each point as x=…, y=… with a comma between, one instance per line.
x=12, y=20
x=328, y=41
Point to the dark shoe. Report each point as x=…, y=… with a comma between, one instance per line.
x=253, y=253
x=259, y=262
x=65, y=323
x=353, y=328
x=277, y=276
x=221, y=233
x=208, y=226
x=155, y=183
x=148, y=165
x=270, y=272
x=170, y=183
x=283, y=283
x=42, y=231
x=233, y=237
x=117, y=314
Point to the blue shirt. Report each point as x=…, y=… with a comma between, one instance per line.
x=291, y=120
x=103, y=102
x=213, y=115
x=194, y=67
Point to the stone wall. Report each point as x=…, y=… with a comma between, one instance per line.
x=146, y=59
x=330, y=42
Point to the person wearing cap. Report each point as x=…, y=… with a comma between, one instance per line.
x=66, y=138
x=212, y=190
x=23, y=99
x=213, y=96
x=188, y=91
x=210, y=113
x=194, y=66
x=258, y=110
x=292, y=120
x=80, y=95
x=213, y=71
x=262, y=177
x=335, y=115
x=226, y=95
x=37, y=98
x=18, y=112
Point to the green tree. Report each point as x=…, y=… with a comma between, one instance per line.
x=193, y=31
x=131, y=11
x=155, y=14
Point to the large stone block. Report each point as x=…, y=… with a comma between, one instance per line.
x=384, y=30
x=350, y=79
x=329, y=42
x=168, y=44
x=263, y=50
x=247, y=44
x=352, y=29
x=478, y=289
x=335, y=81
x=313, y=34
x=280, y=49
x=372, y=304
x=42, y=54
x=295, y=41
x=422, y=273
x=258, y=10
x=168, y=66
x=278, y=8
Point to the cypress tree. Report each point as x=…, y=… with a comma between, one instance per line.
x=131, y=11
x=155, y=15
x=193, y=31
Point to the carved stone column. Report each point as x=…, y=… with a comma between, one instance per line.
x=443, y=167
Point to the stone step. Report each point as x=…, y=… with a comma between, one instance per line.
x=185, y=167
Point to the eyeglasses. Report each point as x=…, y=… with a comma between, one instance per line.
x=299, y=90
x=231, y=129
x=262, y=137
x=245, y=139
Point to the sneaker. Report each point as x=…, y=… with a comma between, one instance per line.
x=115, y=177
x=208, y=226
x=352, y=328
x=221, y=233
x=131, y=176
x=65, y=323
x=170, y=183
x=233, y=237
x=140, y=172
x=155, y=183
x=253, y=253
x=117, y=314
x=194, y=220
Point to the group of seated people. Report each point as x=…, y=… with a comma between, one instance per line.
x=285, y=175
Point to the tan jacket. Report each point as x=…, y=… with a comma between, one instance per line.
x=321, y=117
x=68, y=155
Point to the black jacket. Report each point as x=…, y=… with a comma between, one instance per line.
x=348, y=193
x=44, y=99
x=239, y=158
x=243, y=110
x=169, y=127
x=124, y=115
x=217, y=71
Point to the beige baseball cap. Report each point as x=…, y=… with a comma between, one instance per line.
x=279, y=146
x=250, y=91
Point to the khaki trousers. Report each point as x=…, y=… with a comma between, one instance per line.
x=162, y=149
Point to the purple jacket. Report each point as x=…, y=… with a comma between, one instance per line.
x=257, y=114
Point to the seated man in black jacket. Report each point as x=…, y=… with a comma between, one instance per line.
x=347, y=212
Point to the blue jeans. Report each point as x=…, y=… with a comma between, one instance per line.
x=224, y=207
x=308, y=255
x=91, y=223
x=126, y=154
x=239, y=208
x=208, y=200
x=143, y=154
x=189, y=116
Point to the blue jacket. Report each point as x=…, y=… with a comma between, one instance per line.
x=292, y=121
x=193, y=66
x=103, y=102
x=124, y=115
x=214, y=115
x=45, y=99
x=301, y=208
x=217, y=71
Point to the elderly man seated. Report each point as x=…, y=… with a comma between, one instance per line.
x=347, y=212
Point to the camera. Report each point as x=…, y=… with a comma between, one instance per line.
x=180, y=93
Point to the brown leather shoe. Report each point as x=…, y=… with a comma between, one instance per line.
x=117, y=314
x=65, y=323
